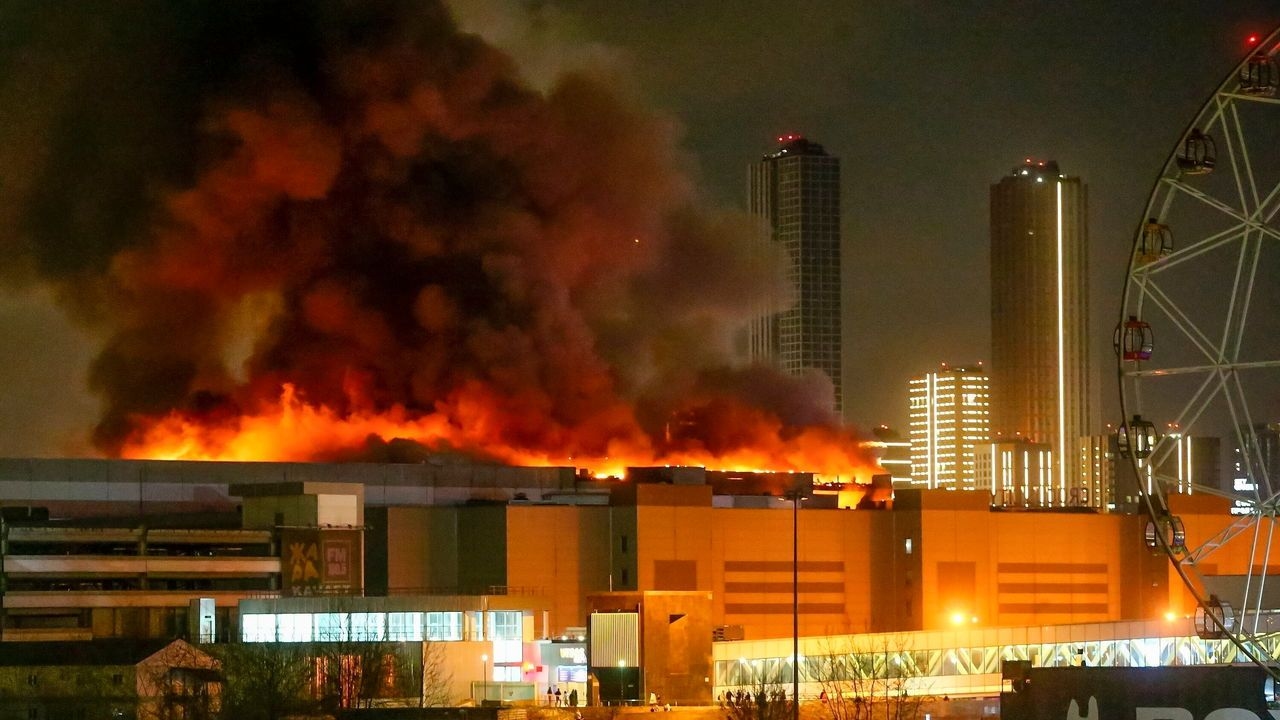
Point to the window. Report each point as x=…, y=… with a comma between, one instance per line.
x=331, y=627
x=508, y=652
x=368, y=626
x=402, y=626
x=507, y=673
x=507, y=625
x=444, y=626
x=294, y=627
x=258, y=628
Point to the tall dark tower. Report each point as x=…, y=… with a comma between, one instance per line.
x=1040, y=386
x=795, y=191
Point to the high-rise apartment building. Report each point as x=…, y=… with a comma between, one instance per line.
x=1040, y=386
x=795, y=190
x=948, y=420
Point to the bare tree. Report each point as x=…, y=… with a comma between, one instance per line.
x=847, y=680
x=434, y=678
x=356, y=673
x=868, y=680
x=266, y=681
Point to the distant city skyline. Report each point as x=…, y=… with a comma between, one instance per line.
x=923, y=116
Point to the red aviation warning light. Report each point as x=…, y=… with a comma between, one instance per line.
x=1252, y=40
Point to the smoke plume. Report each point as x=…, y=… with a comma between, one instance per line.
x=335, y=212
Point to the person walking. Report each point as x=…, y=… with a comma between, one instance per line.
x=573, y=697
x=550, y=695
x=558, y=696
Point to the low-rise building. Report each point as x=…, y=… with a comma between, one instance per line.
x=109, y=679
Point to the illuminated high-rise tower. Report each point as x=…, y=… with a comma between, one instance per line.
x=795, y=191
x=1040, y=386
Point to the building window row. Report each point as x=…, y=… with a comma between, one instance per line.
x=379, y=626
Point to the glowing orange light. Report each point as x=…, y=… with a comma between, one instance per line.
x=290, y=428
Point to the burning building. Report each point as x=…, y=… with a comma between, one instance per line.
x=361, y=234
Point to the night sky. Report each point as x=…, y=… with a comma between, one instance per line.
x=926, y=103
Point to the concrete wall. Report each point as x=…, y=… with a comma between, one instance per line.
x=743, y=557
x=422, y=548
x=557, y=551
x=676, y=646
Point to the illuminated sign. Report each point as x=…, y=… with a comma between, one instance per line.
x=1130, y=693
x=571, y=673
x=574, y=654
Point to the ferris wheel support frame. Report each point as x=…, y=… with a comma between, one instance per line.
x=1223, y=366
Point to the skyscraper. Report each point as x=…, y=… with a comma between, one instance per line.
x=948, y=420
x=1040, y=387
x=795, y=191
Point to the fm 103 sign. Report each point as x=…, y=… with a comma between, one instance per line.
x=1174, y=693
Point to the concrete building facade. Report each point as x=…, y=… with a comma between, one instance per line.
x=727, y=534
x=492, y=571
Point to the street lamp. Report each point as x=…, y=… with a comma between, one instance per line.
x=484, y=678
x=795, y=497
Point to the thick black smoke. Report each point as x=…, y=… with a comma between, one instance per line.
x=356, y=198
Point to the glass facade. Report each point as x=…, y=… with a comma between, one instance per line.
x=377, y=626
x=444, y=626
x=507, y=624
x=929, y=665
x=405, y=626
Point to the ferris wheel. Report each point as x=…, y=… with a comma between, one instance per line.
x=1198, y=350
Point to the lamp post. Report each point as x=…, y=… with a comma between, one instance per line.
x=795, y=603
x=484, y=678
x=4, y=550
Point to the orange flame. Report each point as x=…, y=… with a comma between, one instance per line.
x=291, y=429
